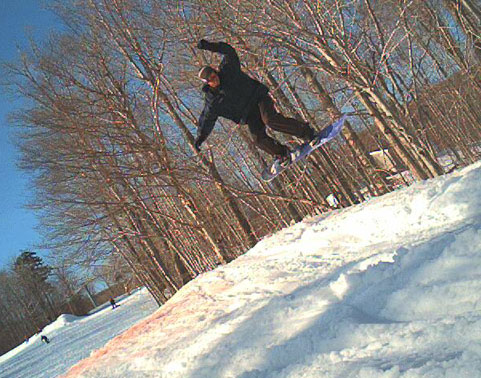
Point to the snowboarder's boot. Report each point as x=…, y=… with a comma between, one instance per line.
x=285, y=159
x=310, y=135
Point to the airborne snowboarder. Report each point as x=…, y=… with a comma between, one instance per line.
x=232, y=94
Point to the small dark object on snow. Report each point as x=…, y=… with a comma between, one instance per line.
x=112, y=302
x=45, y=339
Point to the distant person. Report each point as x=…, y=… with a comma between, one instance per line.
x=45, y=339
x=112, y=302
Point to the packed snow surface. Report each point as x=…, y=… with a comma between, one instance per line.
x=73, y=338
x=389, y=288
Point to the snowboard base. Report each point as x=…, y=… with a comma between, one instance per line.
x=304, y=150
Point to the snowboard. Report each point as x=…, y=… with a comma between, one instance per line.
x=304, y=150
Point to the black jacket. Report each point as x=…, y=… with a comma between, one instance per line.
x=235, y=98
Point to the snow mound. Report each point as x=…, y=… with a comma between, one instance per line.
x=62, y=321
x=388, y=288
x=12, y=353
x=73, y=338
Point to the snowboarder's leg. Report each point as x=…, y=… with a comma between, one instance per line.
x=261, y=139
x=276, y=121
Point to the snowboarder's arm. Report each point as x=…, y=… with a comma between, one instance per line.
x=206, y=124
x=222, y=48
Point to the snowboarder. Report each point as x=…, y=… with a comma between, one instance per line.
x=45, y=339
x=112, y=302
x=232, y=94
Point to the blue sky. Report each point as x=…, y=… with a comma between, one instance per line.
x=17, y=225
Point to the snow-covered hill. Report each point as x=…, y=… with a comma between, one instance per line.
x=73, y=338
x=389, y=288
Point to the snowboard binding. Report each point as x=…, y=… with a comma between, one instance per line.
x=304, y=150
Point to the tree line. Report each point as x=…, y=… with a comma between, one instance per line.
x=113, y=104
x=33, y=293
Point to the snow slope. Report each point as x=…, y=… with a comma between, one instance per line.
x=388, y=288
x=72, y=338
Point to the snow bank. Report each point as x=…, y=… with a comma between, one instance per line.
x=62, y=321
x=389, y=288
x=12, y=353
x=73, y=338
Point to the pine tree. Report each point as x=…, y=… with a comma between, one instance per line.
x=31, y=267
x=33, y=275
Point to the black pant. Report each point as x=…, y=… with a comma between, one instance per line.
x=266, y=114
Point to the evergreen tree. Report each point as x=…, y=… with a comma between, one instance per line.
x=33, y=275
x=30, y=266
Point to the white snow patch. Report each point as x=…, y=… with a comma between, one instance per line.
x=73, y=338
x=388, y=288
x=62, y=321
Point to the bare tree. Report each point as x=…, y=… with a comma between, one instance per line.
x=114, y=103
